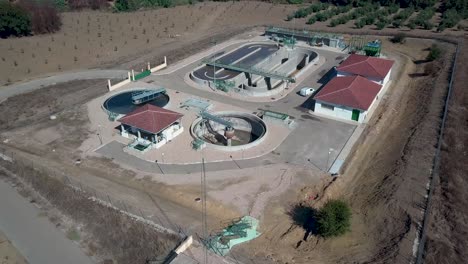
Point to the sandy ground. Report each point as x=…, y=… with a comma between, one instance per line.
x=8, y=253
x=179, y=150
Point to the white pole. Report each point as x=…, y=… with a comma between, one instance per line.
x=133, y=75
x=109, y=84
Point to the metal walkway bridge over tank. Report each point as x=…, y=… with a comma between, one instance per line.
x=140, y=97
x=250, y=69
x=207, y=116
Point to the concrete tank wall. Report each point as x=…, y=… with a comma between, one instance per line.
x=288, y=68
x=245, y=121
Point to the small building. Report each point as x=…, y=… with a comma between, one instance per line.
x=348, y=98
x=150, y=126
x=375, y=69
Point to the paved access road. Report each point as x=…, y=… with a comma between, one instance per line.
x=38, y=240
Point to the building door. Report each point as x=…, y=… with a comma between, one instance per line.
x=355, y=115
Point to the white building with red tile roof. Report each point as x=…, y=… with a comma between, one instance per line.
x=347, y=97
x=151, y=126
x=375, y=69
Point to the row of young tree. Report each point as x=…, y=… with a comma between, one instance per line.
x=119, y=5
x=24, y=18
x=132, y=5
x=418, y=4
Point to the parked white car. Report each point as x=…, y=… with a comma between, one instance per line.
x=306, y=91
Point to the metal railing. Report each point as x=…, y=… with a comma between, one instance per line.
x=251, y=70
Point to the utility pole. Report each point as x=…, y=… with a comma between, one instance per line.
x=214, y=65
x=204, y=220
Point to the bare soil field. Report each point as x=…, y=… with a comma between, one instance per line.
x=384, y=182
x=448, y=225
x=92, y=39
x=103, y=39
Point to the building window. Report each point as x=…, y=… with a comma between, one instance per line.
x=328, y=107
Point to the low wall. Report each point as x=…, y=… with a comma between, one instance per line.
x=119, y=84
x=159, y=67
x=131, y=75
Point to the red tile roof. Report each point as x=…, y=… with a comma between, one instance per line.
x=150, y=118
x=366, y=66
x=352, y=91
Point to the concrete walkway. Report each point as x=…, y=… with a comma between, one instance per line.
x=38, y=240
x=15, y=89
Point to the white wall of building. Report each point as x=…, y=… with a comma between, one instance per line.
x=339, y=111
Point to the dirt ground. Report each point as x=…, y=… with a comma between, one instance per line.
x=101, y=39
x=8, y=253
x=92, y=39
x=448, y=225
x=384, y=182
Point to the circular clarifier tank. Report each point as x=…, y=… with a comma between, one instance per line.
x=249, y=131
x=122, y=103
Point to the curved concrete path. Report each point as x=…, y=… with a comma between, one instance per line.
x=15, y=89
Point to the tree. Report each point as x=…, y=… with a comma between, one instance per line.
x=333, y=219
x=14, y=20
x=295, y=2
x=359, y=23
x=381, y=24
x=434, y=53
x=398, y=38
x=44, y=16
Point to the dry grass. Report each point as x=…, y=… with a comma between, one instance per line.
x=448, y=226
x=113, y=233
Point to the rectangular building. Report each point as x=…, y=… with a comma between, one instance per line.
x=347, y=98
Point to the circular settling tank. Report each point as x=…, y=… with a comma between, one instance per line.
x=247, y=130
x=122, y=103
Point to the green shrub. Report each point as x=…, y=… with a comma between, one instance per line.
x=295, y=2
x=450, y=18
x=61, y=5
x=311, y=21
x=381, y=24
x=132, y=5
x=397, y=23
x=14, y=20
x=427, y=25
x=398, y=38
x=333, y=219
x=359, y=23
x=434, y=53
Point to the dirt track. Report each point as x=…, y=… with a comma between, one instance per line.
x=448, y=226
